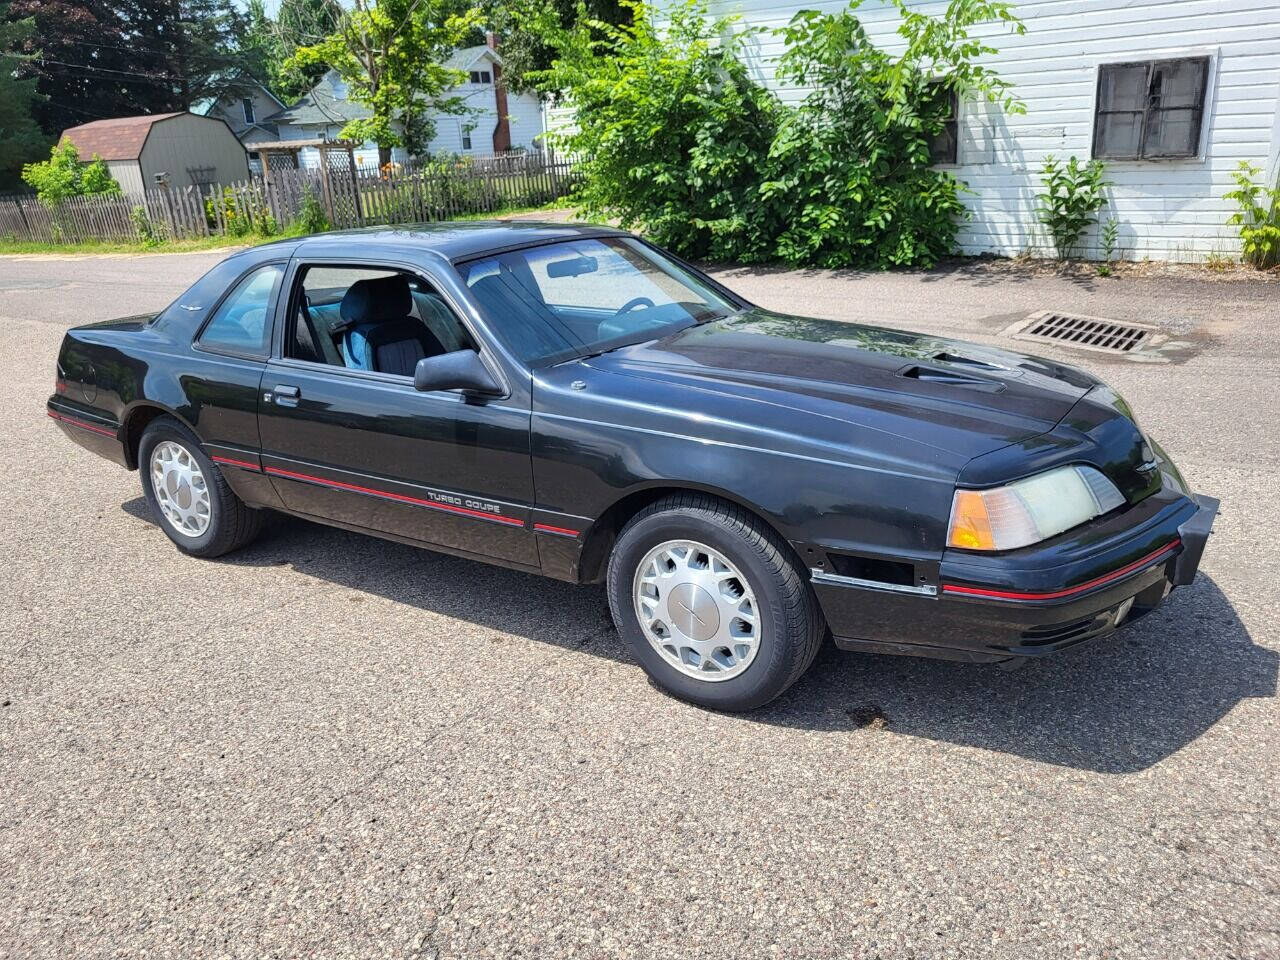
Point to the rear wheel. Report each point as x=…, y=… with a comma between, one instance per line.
x=190, y=498
x=711, y=603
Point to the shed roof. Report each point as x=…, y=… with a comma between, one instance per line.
x=118, y=139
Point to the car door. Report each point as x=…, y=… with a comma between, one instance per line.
x=364, y=449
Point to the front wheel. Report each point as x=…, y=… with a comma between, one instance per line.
x=191, y=499
x=711, y=603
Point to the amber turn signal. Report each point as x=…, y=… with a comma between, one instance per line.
x=970, y=524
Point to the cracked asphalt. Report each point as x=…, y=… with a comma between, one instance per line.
x=333, y=746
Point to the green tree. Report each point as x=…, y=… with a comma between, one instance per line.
x=63, y=175
x=390, y=52
x=526, y=29
x=79, y=59
x=21, y=140
x=271, y=42
x=670, y=124
x=849, y=178
x=190, y=50
x=682, y=143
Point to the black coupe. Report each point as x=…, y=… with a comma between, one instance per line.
x=571, y=401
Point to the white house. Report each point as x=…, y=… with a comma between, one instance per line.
x=496, y=120
x=1171, y=94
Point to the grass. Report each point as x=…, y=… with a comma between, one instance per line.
x=8, y=245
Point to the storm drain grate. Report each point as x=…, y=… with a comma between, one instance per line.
x=1087, y=332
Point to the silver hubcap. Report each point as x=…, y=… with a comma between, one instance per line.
x=697, y=610
x=180, y=489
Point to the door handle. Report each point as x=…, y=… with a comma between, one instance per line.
x=286, y=395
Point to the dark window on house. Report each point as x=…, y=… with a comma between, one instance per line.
x=1150, y=111
x=946, y=103
x=247, y=106
x=466, y=138
x=481, y=76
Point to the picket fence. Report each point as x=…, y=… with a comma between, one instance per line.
x=264, y=206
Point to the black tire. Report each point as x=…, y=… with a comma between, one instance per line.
x=792, y=626
x=231, y=523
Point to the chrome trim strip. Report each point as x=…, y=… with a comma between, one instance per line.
x=822, y=576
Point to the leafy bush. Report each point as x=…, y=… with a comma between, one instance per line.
x=1258, y=217
x=241, y=215
x=150, y=234
x=63, y=175
x=674, y=131
x=1071, y=200
x=1109, y=239
x=682, y=143
x=311, y=216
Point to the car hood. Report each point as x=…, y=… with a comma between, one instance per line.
x=959, y=397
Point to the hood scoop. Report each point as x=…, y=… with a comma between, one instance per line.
x=952, y=378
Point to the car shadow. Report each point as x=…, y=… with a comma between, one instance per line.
x=1119, y=705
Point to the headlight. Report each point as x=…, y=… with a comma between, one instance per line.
x=1030, y=510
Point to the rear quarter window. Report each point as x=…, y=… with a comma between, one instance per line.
x=241, y=323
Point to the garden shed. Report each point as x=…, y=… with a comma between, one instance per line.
x=186, y=149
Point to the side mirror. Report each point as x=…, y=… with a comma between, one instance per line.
x=459, y=370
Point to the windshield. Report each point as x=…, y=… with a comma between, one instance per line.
x=562, y=300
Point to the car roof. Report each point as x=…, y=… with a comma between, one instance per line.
x=456, y=240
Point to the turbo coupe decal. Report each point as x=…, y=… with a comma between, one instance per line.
x=450, y=503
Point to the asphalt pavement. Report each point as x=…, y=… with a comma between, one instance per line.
x=333, y=746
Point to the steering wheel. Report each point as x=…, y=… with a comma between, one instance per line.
x=632, y=304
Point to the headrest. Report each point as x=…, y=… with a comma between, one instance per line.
x=375, y=300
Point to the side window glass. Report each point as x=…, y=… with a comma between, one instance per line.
x=240, y=323
x=370, y=318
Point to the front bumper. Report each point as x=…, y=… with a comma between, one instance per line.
x=1029, y=603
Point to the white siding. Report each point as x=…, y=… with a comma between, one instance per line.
x=524, y=112
x=1168, y=209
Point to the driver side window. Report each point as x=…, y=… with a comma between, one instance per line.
x=240, y=324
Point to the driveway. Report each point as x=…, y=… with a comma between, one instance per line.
x=330, y=745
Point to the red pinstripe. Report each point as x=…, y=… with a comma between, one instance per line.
x=1070, y=591
x=80, y=423
x=561, y=531
x=402, y=498
x=236, y=463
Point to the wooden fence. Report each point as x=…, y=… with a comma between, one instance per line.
x=411, y=194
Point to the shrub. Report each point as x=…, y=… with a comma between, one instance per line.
x=150, y=233
x=673, y=130
x=1071, y=200
x=311, y=216
x=1258, y=217
x=1110, y=236
x=681, y=142
x=241, y=215
x=63, y=175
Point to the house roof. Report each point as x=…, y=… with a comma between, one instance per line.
x=319, y=105
x=237, y=89
x=464, y=57
x=118, y=139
